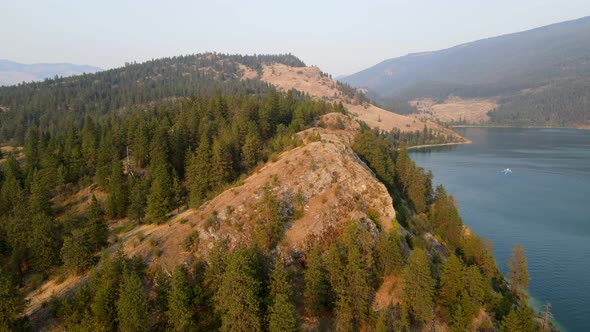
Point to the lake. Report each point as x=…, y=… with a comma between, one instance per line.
x=543, y=205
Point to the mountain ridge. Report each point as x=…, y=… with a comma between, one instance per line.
x=12, y=72
x=521, y=70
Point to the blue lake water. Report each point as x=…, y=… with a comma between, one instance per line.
x=543, y=205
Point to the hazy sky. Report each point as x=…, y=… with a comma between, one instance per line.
x=341, y=37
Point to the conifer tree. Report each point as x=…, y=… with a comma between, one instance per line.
x=518, y=273
x=217, y=264
x=12, y=192
x=237, y=298
x=116, y=204
x=76, y=252
x=198, y=171
x=137, y=198
x=451, y=285
x=44, y=242
x=89, y=138
x=511, y=323
x=459, y=320
x=348, y=263
x=140, y=145
x=382, y=323
x=97, y=228
x=158, y=199
x=40, y=197
x=315, y=291
x=133, y=308
x=250, y=149
x=389, y=256
x=526, y=318
x=11, y=303
x=282, y=314
x=221, y=163
x=419, y=287
x=268, y=228
x=180, y=314
x=31, y=150
x=103, y=306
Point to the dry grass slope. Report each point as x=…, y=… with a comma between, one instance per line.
x=472, y=111
x=310, y=81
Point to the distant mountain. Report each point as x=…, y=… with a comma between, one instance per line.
x=539, y=77
x=14, y=73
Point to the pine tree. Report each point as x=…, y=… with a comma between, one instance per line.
x=518, y=273
x=268, y=228
x=11, y=303
x=133, y=308
x=103, y=306
x=451, y=285
x=96, y=226
x=349, y=263
x=198, y=171
x=116, y=204
x=250, y=149
x=44, y=242
x=282, y=314
x=315, y=292
x=31, y=150
x=12, y=192
x=221, y=164
x=89, y=137
x=527, y=319
x=158, y=200
x=459, y=320
x=180, y=314
x=389, y=256
x=511, y=323
x=137, y=199
x=419, y=287
x=237, y=298
x=382, y=323
x=40, y=197
x=140, y=145
x=76, y=252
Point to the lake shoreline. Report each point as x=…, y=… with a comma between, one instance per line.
x=556, y=159
x=415, y=147
x=518, y=127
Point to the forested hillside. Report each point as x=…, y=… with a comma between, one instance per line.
x=540, y=77
x=55, y=103
x=196, y=201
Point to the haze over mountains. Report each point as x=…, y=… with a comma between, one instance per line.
x=538, y=77
x=14, y=73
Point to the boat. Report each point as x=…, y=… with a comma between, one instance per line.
x=506, y=171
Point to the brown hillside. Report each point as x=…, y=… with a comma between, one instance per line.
x=472, y=111
x=311, y=81
x=335, y=184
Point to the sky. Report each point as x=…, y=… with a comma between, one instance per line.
x=341, y=37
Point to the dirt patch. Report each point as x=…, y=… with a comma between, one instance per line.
x=388, y=293
x=306, y=79
x=455, y=109
x=247, y=73
x=18, y=153
x=50, y=289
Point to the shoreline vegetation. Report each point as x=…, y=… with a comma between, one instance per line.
x=582, y=127
x=435, y=145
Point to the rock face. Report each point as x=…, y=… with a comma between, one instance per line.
x=324, y=173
